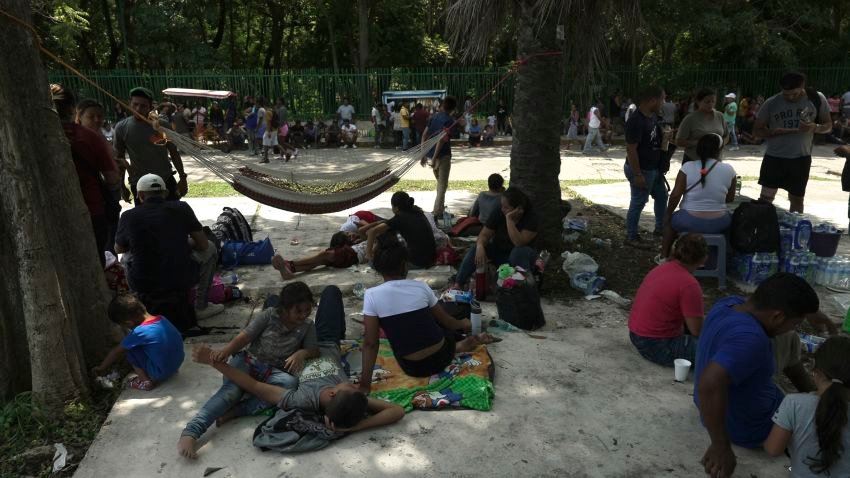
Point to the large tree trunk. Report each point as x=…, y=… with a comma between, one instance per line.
x=363, y=34
x=222, y=19
x=53, y=282
x=536, y=119
x=114, y=48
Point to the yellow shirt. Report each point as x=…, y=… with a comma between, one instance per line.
x=743, y=107
x=405, y=117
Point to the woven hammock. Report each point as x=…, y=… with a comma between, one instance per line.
x=305, y=192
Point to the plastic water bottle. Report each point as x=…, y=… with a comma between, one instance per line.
x=738, y=184
x=447, y=219
x=475, y=317
x=359, y=290
x=229, y=278
x=802, y=232
x=795, y=265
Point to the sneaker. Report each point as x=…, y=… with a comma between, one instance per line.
x=354, y=146
x=138, y=384
x=209, y=311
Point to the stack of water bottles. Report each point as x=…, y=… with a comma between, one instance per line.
x=795, y=232
x=833, y=272
x=756, y=267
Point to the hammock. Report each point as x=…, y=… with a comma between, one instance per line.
x=305, y=192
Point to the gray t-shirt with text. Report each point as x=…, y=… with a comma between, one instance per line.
x=777, y=112
x=797, y=415
x=144, y=146
x=272, y=343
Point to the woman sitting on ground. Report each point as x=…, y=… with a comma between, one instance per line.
x=506, y=238
x=668, y=299
x=420, y=332
x=409, y=221
x=813, y=427
x=704, y=187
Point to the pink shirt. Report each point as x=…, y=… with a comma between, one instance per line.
x=667, y=295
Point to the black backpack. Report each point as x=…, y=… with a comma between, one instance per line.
x=755, y=228
x=231, y=226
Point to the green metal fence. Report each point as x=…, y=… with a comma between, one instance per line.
x=317, y=92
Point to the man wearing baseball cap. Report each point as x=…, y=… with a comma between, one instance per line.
x=148, y=151
x=169, y=253
x=730, y=113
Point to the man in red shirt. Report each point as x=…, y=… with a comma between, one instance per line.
x=96, y=168
x=420, y=121
x=668, y=299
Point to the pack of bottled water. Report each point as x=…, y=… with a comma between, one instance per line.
x=833, y=272
x=756, y=267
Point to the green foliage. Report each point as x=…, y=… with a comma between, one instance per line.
x=24, y=425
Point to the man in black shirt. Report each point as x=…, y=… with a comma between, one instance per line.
x=508, y=237
x=167, y=252
x=643, y=147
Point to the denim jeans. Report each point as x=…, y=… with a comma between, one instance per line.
x=330, y=328
x=654, y=187
x=733, y=135
x=665, y=351
x=593, y=136
x=405, y=138
x=518, y=256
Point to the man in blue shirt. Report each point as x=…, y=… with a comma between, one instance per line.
x=643, y=156
x=733, y=385
x=441, y=153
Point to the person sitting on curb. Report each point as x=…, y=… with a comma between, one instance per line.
x=327, y=390
x=668, y=300
x=348, y=134
x=704, y=187
x=507, y=237
x=733, y=386
x=154, y=347
x=486, y=204
x=420, y=332
x=272, y=349
x=813, y=427
x=166, y=253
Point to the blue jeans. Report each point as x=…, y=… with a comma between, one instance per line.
x=665, y=351
x=733, y=135
x=518, y=256
x=405, y=138
x=654, y=187
x=330, y=328
x=683, y=221
x=593, y=136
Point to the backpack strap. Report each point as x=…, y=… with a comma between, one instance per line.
x=716, y=162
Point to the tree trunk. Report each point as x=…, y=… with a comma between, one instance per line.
x=536, y=119
x=332, y=39
x=222, y=22
x=363, y=34
x=48, y=244
x=114, y=48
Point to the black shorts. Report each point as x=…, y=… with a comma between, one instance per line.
x=434, y=363
x=790, y=174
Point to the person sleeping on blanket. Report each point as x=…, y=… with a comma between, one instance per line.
x=420, y=332
x=327, y=391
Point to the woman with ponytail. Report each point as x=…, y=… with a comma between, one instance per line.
x=420, y=332
x=704, y=187
x=814, y=427
x=409, y=221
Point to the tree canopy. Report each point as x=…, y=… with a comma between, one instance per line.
x=286, y=34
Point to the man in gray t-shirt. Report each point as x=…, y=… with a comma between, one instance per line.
x=149, y=153
x=345, y=110
x=788, y=122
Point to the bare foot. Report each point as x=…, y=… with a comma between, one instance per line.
x=468, y=344
x=186, y=447
x=283, y=266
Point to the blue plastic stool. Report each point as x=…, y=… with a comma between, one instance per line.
x=719, y=271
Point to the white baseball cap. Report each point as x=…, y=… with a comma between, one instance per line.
x=150, y=182
x=731, y=95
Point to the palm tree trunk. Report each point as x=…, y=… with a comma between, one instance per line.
x=535, y=152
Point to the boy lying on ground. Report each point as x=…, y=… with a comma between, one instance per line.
x=344, y=406
x=154, y=347
x=733, y=386
x=276, y=343
x=343, y=253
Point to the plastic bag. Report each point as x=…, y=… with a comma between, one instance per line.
x=576, y=262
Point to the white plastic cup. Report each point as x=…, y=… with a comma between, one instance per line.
x=681, y=367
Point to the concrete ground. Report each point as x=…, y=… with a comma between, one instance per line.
x=579, y=403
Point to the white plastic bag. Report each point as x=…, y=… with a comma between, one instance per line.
x=576, y=262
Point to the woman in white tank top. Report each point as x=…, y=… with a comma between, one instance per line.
x=703, y=187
